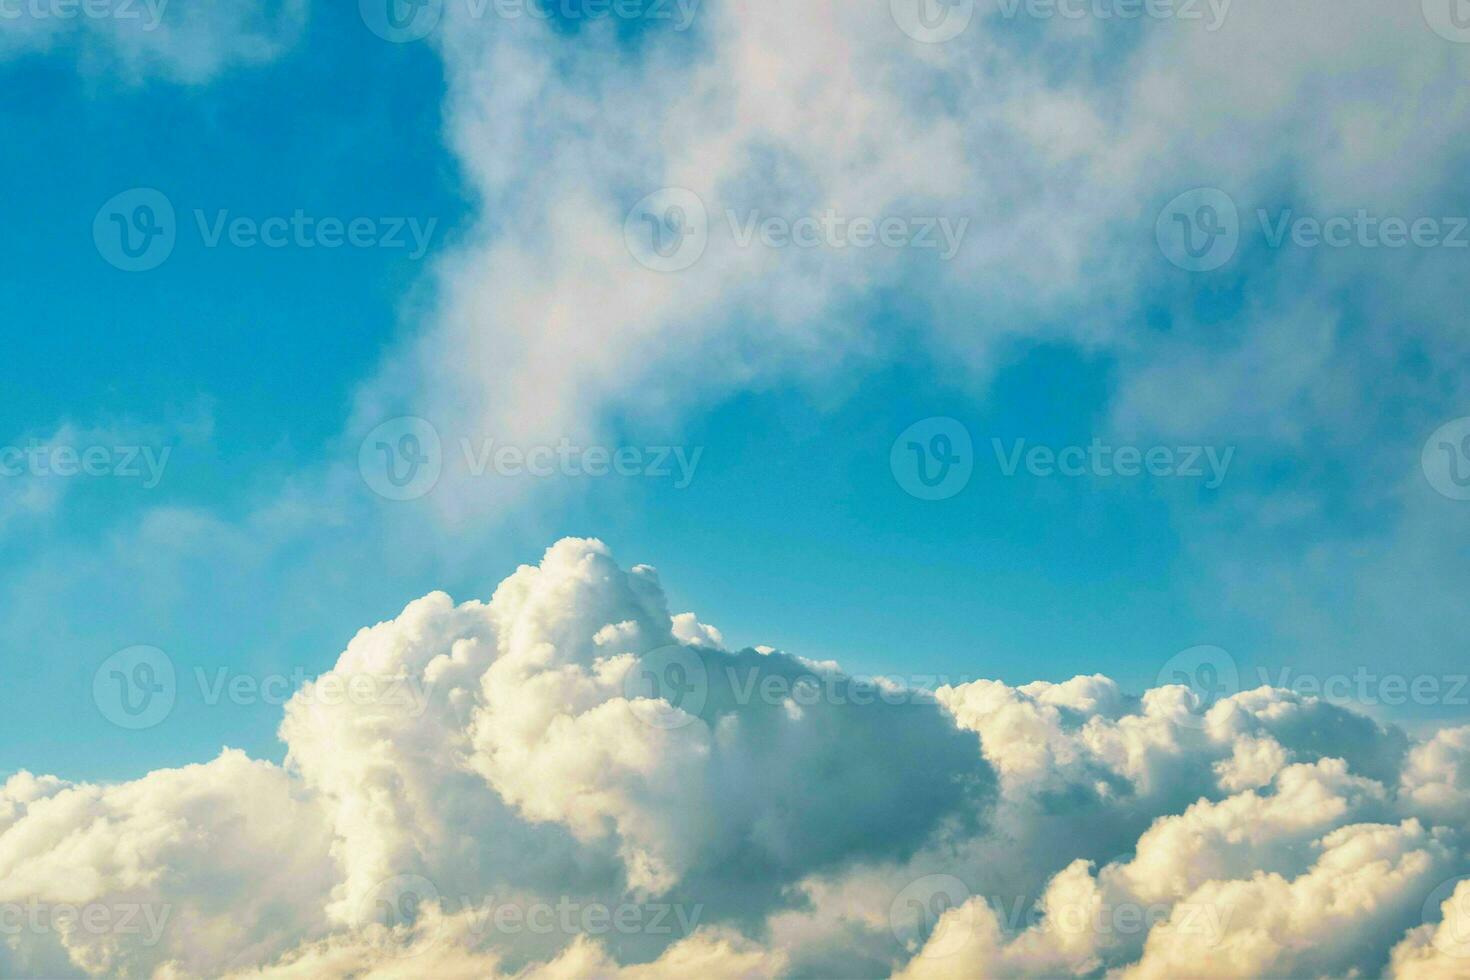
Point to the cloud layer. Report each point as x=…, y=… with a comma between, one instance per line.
x=569, y=780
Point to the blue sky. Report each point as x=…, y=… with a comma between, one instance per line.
x=1094, y=371
x=252, y=365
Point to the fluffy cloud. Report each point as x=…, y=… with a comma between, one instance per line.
x=1439, y=950
x=535, y=763
x=501, y=788
x=1060, y=161
x=179, y=872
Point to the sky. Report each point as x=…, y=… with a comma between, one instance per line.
x=954, y=343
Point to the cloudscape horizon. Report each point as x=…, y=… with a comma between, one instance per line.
x=567, y=780
x=929, y=489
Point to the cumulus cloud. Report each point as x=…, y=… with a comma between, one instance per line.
x=1439, y=950
x=177, y=873
x=570, y=780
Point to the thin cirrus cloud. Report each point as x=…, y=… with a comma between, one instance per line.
x=504, y=787
x=180, y=41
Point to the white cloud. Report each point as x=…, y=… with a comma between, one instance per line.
x=495, y=763
x=183, y=870
x=1439, y=949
